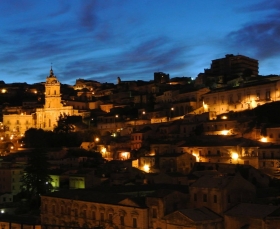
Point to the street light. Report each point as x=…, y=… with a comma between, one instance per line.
x=171, y=112
x=143, y=114
x=116, y=116
x=234, y=156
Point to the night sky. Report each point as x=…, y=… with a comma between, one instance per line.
x=103, y=39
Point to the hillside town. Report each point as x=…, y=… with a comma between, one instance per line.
x=169, y=153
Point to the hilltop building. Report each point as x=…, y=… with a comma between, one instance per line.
x=229, y=70
x=161, y=77
x=44, y=118
x=231, y=66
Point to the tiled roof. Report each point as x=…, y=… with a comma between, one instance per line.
x=89, y=196
x=200, y=214
x=251, y=210
x=210, y=181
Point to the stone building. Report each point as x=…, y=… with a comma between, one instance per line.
x=46, y=117
x=257, y=216
x=220, y=192
x=231, y=66
x=242, y=97
x=84, y=208
x=198, y=218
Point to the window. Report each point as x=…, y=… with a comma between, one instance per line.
x=204, y=197
x=267, y=95
x=154, y=213
x=239, y=97
x=76, y=212
x=230, y=100
x=215, y=198
x=102, y=216
x=61, y=209
x=195, y=197
x=122, y=220
x=53, y=209
x=93, y=215
x=134, y=223
x=85, y=213
x=228, y=199
x=110, y=217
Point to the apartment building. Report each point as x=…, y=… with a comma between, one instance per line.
x=85, y=208
x=196, y=218
x=223, y=149
x=139, y=138
x=241, y=98
x=269, y=159
x=220, y=192
x=232, y=66
x=10, y=175
x=248, y=215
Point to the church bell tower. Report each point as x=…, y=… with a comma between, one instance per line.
x=52, y=92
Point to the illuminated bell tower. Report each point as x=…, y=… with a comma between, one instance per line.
x=52, y=90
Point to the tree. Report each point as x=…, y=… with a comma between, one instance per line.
x=64, y=125
x=37, y=137
x=36, y=179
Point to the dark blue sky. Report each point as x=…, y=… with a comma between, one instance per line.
x=104, y=39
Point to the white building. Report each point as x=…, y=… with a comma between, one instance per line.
x=45, y=118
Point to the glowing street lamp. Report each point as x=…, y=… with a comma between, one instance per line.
x=225, y=132
x=103, y=150
x=234, y=156
x=146, y=168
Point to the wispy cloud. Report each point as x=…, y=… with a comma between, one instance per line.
x=260, y=37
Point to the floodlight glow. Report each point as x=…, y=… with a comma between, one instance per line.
x=234, y=156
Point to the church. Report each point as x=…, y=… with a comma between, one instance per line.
x=43, y=118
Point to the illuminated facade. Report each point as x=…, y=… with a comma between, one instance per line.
x=241, y=98
x=84, y=208
x=44, y=118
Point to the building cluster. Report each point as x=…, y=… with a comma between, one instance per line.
x=180, y=153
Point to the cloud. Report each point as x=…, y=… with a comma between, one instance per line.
x=272, y=5
x=64, y=7
x=137, y=61
x=87, y=16
x=259, y=38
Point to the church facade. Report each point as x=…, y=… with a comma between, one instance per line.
x=43, y=118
